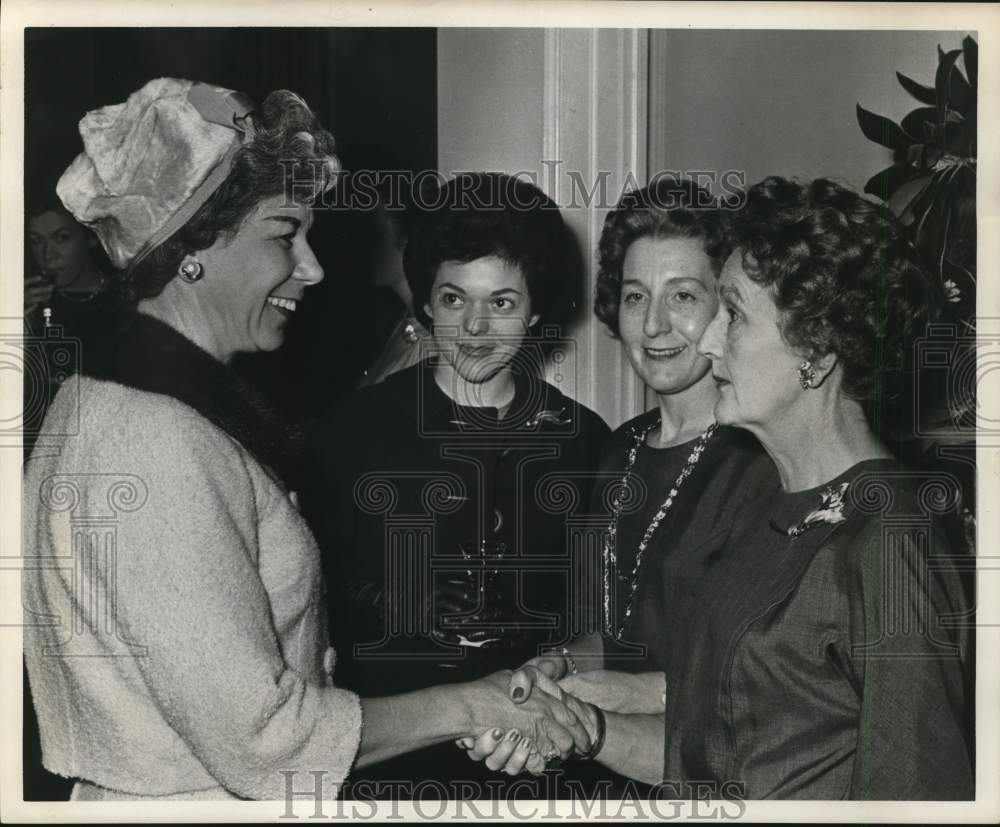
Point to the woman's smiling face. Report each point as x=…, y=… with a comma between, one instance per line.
x=755, y=368
x=255, y=279
x=668, y=297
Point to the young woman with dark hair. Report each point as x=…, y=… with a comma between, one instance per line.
x=435, y=494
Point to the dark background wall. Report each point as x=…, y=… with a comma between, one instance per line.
x=375, y=89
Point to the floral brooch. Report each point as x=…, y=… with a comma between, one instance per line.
x=533, y=423
x=555, y=417
x=830, y=512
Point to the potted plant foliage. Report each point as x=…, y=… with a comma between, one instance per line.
x=931, y=186
x=931, y=183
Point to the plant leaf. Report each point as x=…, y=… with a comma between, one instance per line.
x=971, y=51
x=913, y=207
x=912, y=124
x=932, y=228
x=962, y=96
x=924, y=94
x=883, y=184
x=931, y=150
x=959, y=138
x=881, y=130
x=964, y=278
x=931, y=134
x=906, y=194
x=962, y=244
x=942, y=80
x=949, y=220
x=922, y=201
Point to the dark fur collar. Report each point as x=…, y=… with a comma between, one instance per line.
x=144, y=353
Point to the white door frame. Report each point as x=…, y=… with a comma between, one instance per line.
x=595, y=142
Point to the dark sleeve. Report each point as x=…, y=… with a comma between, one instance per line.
x=323, y=495
x=910, y=664
x=594, y=434
x=607, y=462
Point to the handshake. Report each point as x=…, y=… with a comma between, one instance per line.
x=551, y=712
x=536, y=723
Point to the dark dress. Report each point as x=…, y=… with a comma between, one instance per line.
x=830, y=665
x=732, y=468
x=404, y=485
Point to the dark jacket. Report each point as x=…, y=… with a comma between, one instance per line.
x=403, y=481
x=830, y=662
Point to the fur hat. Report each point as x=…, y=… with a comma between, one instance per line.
x=148, y=164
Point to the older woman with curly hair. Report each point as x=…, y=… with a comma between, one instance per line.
x=833, y=635
x=176, y=634
x=825, y=646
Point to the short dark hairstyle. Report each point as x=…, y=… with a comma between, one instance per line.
x=843, y=275
x=480, y=214
x=285, y=130
x=668, y=207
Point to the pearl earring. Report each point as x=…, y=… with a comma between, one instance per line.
x=191, y=271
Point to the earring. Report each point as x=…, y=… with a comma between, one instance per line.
x=191, y=271
x=807, y=375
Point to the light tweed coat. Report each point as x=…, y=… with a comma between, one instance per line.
x=179, y=646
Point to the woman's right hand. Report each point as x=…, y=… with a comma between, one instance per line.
x=508, y=752
x=550, y=722
x=543, y=671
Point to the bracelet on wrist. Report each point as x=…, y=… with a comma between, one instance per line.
x=598, y=741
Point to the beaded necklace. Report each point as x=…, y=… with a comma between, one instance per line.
x=610, y=539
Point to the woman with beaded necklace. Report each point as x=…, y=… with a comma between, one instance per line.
x=679, y=478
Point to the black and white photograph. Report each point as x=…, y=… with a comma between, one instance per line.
x=567, y=411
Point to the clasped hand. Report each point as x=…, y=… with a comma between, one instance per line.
x=530, y=729
x=621, y=692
